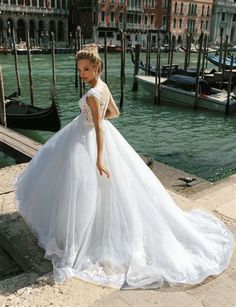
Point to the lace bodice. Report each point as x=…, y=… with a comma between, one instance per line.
x=102, y=94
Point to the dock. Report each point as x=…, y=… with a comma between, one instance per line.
x=17, y=145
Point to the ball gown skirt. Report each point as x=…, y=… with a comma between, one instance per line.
x=124, y=231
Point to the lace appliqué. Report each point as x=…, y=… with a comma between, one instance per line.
x=85, y=109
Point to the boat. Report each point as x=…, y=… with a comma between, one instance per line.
x=25, y=116
x=4, y=50
x=22, y=49
x=192, y=49
x=215, y=59
x=180, y=90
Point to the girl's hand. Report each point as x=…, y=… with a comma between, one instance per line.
x=102, y=169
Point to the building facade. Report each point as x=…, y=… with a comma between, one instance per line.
x=135, y=17
x=189, y=17
x=223, y=21
x=40, y=17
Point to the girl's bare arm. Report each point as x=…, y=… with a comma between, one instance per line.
x=95, y=109
x=112, y=109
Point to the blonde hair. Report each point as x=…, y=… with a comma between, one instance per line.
x=90, y=52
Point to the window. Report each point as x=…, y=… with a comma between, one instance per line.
x=112, y=16
x=180, y=23
x=234, y=17
x=223, y=16
x=174, y=23
x=181, y=8
x=165, y=4
x=208, y=11
x=203, y=7
x=175, y=11
x=152, y=20
x=164, y=22
x=201, y=24
x=103, y=16
x=207, y=25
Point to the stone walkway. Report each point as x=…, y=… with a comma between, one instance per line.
x=35, y=286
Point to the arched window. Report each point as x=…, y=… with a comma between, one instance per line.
x=52, y=27
x=21, y=30
x=174, y=23
x=181, y=8
x=203, y=7
x=31, y=28
x=180, y=23
x=60, y=31
x=176, y=6
x=208, y=10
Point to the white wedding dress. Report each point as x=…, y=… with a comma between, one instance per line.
x=124, y=231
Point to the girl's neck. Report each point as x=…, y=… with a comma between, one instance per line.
x=94, y=82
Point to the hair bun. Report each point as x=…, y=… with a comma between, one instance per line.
x=91, y=47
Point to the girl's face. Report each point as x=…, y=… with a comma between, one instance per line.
x=87, y=71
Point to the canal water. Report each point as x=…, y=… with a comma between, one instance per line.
x=200, y=142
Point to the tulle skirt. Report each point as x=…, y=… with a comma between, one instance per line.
x=122, y=232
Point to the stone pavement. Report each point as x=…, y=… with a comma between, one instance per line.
x=34, y=285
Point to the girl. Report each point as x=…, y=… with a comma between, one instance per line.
x=102, y=215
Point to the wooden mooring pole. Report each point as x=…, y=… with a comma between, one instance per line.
x=158, y=72
x=186, y=54
x=148, y=54
x=220, y=51
x=122, y=67
x=204, y=55
x=229, y=86
x=30, y=69
x=224, y=58
x=2, y=101
x=169, y=47
x=53, y=59
x=16, y=63
x=137, y=51
x=76, y=50
x=105, y=56
x=79, y=38
x=195, y=104
x=172, y=53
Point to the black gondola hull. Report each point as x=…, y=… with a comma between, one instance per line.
x=22, y=116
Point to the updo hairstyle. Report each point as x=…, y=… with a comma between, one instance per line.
x=90, y=52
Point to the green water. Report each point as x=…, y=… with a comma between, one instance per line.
x=200, y=142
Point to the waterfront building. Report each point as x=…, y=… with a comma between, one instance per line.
x=189, y=17
x=40, y=17
x=135, y=17
x=223, y=21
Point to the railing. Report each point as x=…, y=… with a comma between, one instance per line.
x=228, y=4
x=134, y=8
x=33, y=9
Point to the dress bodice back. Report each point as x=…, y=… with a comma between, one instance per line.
x=102, y=94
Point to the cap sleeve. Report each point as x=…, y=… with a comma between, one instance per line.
x=94, y=93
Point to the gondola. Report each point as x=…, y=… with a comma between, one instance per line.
x=181, y=90
x=25, y=116
x=215, y=59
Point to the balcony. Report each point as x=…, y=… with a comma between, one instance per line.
x=132, y=8
x=33, y=10
x=133, y=26
x=225, y=4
